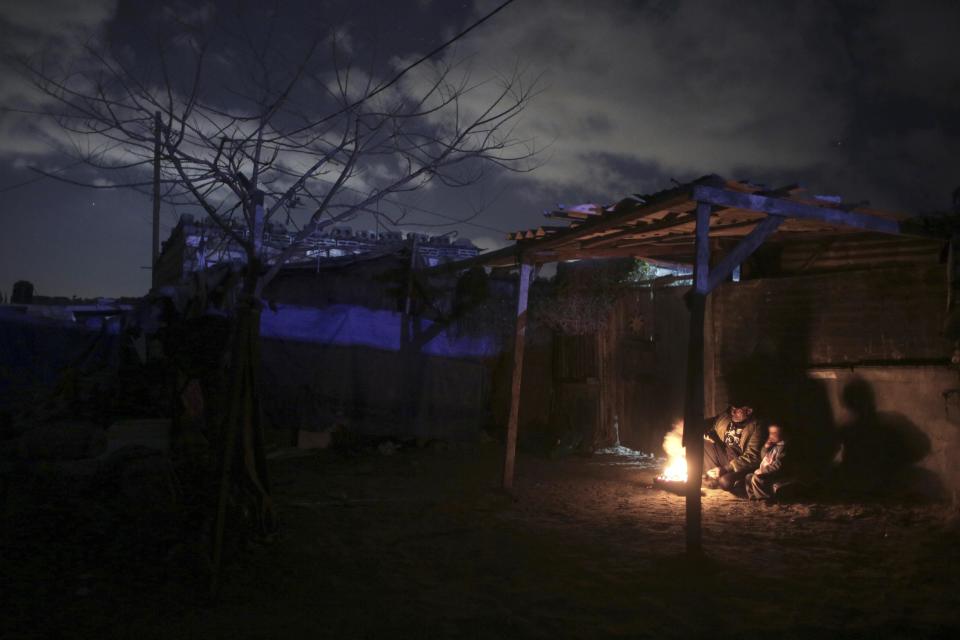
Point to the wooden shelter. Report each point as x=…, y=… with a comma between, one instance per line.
x=679, y=226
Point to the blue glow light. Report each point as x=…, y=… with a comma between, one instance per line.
x=348, y=325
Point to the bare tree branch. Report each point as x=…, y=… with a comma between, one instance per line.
x=253, y=117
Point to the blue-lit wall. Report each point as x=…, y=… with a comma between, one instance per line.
x=350, y=325
x=363, y=369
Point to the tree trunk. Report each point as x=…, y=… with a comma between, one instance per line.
x=244, y=481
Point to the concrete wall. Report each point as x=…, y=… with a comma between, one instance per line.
x=797, y=348
x=921, y=398
x=817, y=351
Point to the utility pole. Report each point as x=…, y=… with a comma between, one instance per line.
x=256, y=196
x=257, y=213
x=156, y=198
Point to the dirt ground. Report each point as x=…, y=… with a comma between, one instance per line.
x=420, y=544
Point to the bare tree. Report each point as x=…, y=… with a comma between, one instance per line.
x=252, y=116
x=253, y=132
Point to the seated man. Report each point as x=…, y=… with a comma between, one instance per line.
x=767, y=480
x=732, y=447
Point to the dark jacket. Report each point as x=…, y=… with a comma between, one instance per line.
x=751, y=441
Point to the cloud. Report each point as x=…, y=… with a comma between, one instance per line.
x=27, y=26
x=696, y=87
x=26, y=29
x=687, y=86
x=488, y=243
x=859, y=99
x=913, y=47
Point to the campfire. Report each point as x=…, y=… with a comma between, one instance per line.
x=674, y=475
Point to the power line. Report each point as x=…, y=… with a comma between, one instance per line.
x=444, y=216
x=396, y=78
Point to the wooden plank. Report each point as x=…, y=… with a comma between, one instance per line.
x=640, y=231
x=683, y=232
x=563, y=254
x=693, y=402
x=953, y=275
x=546, y=230
x=792, y=209
x=616, y=219
x=750, y=243
x=567, y=215
x=526, y=275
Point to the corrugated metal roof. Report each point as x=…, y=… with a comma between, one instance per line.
x=660, y=226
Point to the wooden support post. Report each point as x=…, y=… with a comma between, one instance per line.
x=526, y=275
x=951, y=327
x=750, y=243
x=693, y=406
x=953, y=272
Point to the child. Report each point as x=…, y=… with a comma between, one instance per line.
x=767, y=480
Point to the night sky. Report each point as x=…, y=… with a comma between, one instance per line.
x=859, y=99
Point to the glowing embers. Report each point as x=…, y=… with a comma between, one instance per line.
x=674, y=474
x=675, y=470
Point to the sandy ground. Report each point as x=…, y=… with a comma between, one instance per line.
x=420, y=544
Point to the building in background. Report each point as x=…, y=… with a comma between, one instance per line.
x=195, y=245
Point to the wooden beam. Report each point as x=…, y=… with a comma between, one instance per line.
x=613, y=220
x=701, y=269
x=693, y=403
x=637, y=230
x=792, y=209
x=526, y=275
x=750, y=243
x=577, y=254
x=683, y=233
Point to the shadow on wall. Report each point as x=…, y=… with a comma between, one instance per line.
x=773, y=379
x=881, y=449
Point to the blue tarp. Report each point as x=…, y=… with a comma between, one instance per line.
x=361, y=367
x=318, y=365
x=353, y=326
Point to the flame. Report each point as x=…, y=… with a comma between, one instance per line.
x=676, y=467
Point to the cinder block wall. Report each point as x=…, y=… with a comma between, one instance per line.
x=792, y=346
x=921, y=396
